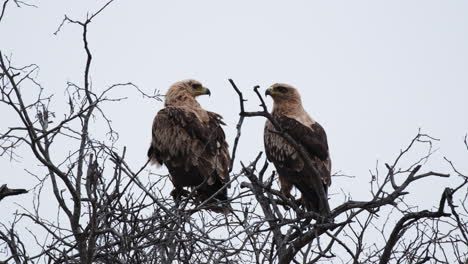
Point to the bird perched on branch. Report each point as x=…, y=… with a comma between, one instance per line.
x=191, y=143
x=305, y=131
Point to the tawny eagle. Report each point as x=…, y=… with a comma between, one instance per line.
x=293, y=119
x=191, y=143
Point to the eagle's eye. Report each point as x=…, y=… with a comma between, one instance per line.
x=196, y=86
x=281, y=89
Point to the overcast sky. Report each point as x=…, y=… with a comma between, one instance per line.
x=371, y=72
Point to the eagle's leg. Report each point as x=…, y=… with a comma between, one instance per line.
x=285, y=189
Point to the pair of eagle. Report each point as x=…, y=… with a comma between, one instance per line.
x=191, y=143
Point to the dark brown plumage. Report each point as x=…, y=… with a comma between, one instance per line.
x=191, y=143
x=293, y=119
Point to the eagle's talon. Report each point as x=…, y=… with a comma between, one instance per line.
x=178, y=193
x=300, y=201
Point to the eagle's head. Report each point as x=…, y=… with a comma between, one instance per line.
x=283, y=94
x=185, y=90
x=286, y=99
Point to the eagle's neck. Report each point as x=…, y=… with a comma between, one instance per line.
x=187, y=103
x=181, y=100
x=292, y=110
x=287, y=107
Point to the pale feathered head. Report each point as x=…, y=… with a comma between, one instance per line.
x=284, y=94
x=187, y=89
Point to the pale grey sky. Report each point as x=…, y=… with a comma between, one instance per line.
x=371, y=72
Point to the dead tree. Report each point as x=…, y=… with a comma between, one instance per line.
x=110, y=211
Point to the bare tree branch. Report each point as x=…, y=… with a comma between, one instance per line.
x=5, y=191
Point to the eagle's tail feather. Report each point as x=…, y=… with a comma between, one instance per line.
x=152, y=157
x=310, y=197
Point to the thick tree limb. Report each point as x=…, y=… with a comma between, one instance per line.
x=5, y=191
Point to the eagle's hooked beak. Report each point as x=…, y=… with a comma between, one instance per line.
x=207, y=91
x=267, y=92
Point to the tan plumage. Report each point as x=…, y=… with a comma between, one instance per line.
x=291, y=116
x=191, y=143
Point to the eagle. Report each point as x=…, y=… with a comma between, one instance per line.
x=292, y=172
x=190, y=142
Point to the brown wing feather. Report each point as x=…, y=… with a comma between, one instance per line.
x=313, y=138
x=220, y=145
x=185, y=144
x=173, y=134
x=288, y=162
